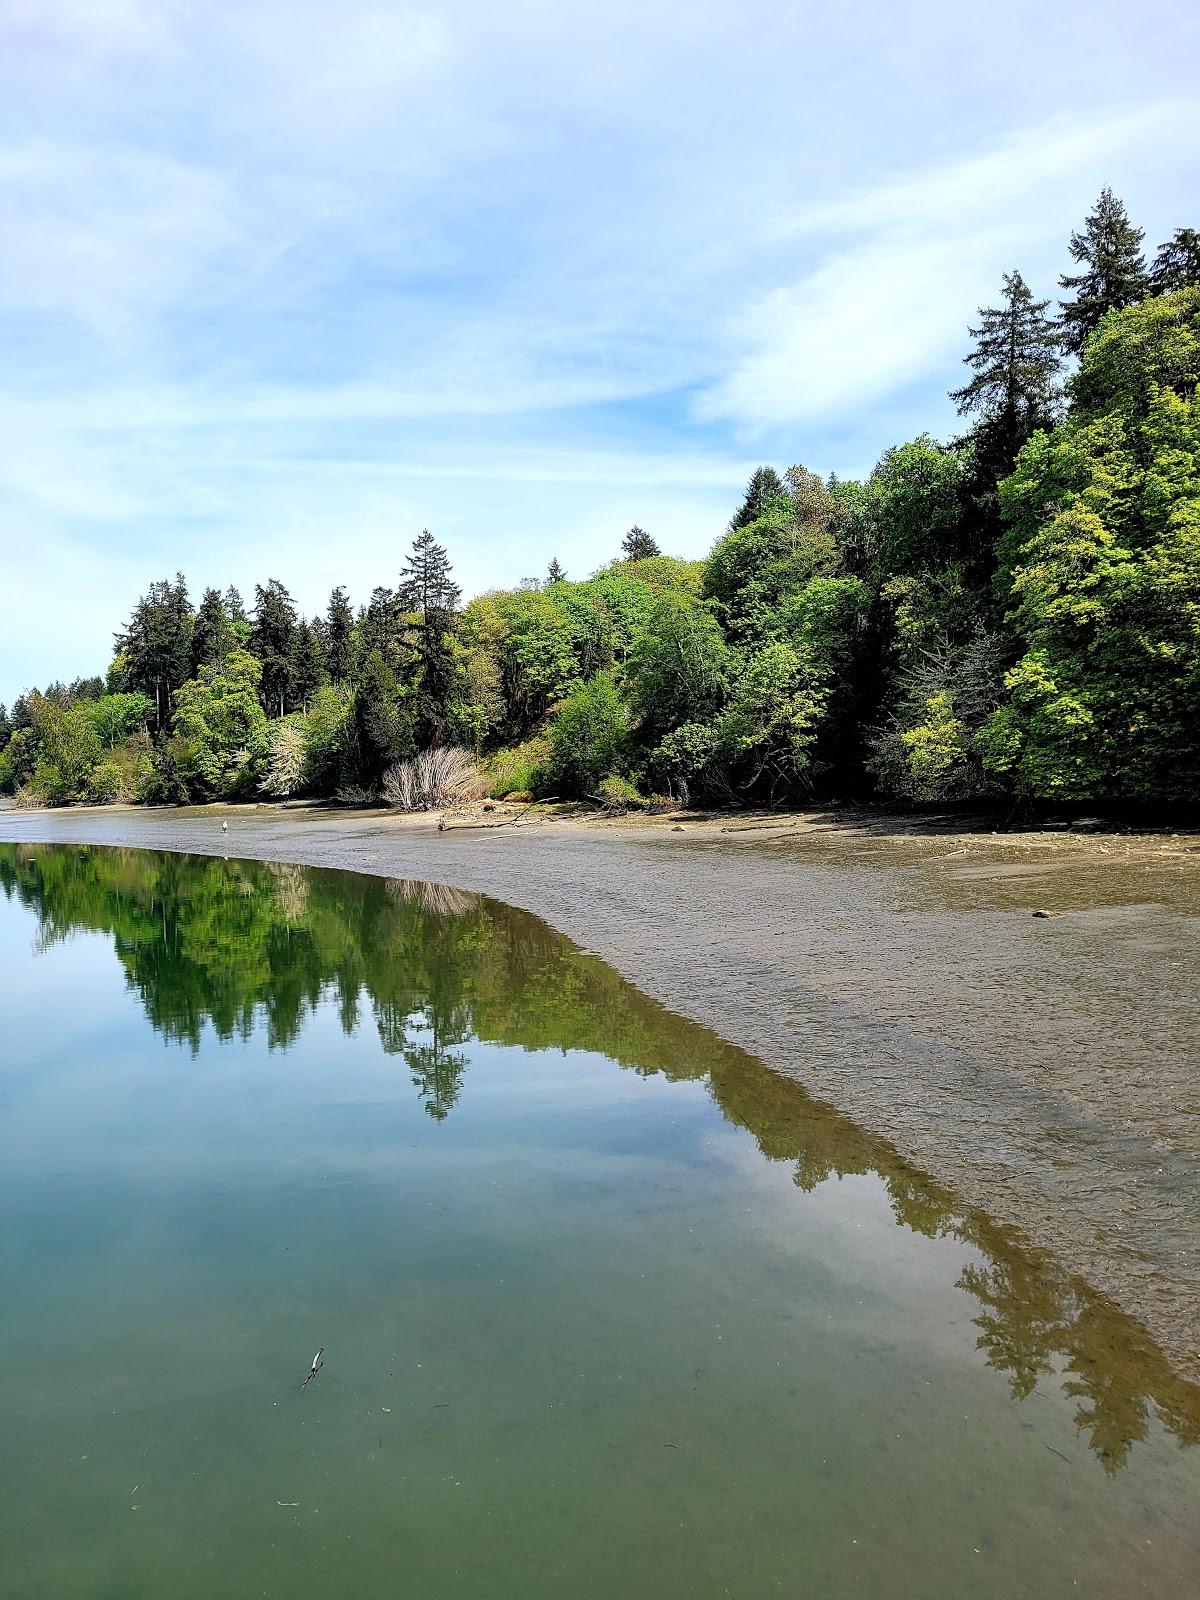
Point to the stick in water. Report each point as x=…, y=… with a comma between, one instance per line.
x=315, y=1368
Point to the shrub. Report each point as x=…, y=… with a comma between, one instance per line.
x=442, y=777
x=518, y=769
x=618, y=794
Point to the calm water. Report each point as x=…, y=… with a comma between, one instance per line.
x=608, y=1309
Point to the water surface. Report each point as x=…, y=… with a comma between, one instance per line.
x=608, y=1307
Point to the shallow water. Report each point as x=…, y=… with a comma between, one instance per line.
x=608, y=1308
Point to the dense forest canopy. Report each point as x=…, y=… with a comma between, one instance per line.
x=1014, y=614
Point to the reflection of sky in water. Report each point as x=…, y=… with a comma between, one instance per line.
x=582, y=1337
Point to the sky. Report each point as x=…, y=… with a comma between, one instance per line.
x=283, y=283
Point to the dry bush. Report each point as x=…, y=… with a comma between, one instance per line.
x=447, y=776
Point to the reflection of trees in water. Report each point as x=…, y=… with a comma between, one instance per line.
x=235, y=945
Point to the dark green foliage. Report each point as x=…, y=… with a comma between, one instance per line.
x=273, y=641
x=1109, y=250
x=587, y=737
x=212, y=636
x=555, y=572
x=764, y=492
x=1177, y=264
x=637, y=545
x=155, y=647
x=339, y=636
x=1014, y=369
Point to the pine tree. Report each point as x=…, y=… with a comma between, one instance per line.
x=638, y=545
x=555, y=573
x=235, y=608
x=765, y=487
x=212, y=639
x=273, y=641
x=1114, y=274
x=339, y=628
x=1177, y=264
x=156, y=645
x=428, y=589
x=308, y=663
x=1015, y=364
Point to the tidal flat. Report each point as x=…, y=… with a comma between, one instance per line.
x=1043, y=1070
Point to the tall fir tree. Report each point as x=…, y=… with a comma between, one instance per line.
x=764, y=489
x=556, y=572
x=1114, y=271
x=156, y=645
x=339, y=636
x=1177, y=264
x=1015, y=366
x=273, y=641
x=212, y=638
x=427, y=589
x=637, y=545
x=235, y=606
x=309, y=670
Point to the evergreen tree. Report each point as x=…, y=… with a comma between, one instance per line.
x=1014, y=366
x=555, y=573
x=339, y=629
x=273, y=641
x=1113, y=276
x=235, y=608
x=308, y=663
x=765, y=489
x=156, y=645
x=212, y=639
x=638, y=545
x=428, y=590
x=1177, y=264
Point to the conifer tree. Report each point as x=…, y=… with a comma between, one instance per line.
x=273, y=641
x=428, y=589
x=638, y=545
x=555, y=572
x=235, y=608
x=339, y=627
x=156, y=645
x=308, y=663
x=1015, y=364
x=1177, y=264
x=765, y=487
x=1113, y=276
x=212, y=639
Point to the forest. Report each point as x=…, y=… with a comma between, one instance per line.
x=1010, y=617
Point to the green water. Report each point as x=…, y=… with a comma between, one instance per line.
x=608, y=1308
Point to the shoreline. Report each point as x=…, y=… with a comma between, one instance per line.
x=1041, y=1067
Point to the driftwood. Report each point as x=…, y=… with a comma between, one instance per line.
x=463, y=827
x=317, y=1364
x=763, y=827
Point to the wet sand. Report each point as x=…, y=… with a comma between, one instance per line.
x=1046, y=1069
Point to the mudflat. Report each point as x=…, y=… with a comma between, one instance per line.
x=1044, y=1067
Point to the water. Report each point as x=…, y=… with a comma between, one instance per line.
x=608, y=1308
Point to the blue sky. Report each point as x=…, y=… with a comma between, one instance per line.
x=281, y=284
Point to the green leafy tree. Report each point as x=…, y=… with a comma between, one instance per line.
x=587, y=737
x=220, y=746
x=116, y=717
x=680, y=665
x=1103, y=574
x=1177, y=264
x=1113, y=276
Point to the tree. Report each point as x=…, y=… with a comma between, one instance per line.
x=212, y=638
x=1177, y=264
x=764, y=491
x=428, y=589
x=555, y=573
x=220, y=747
x=638, y=545
x=1014, y=366
x=308, y=663
x=235, y=608
x=587, y=736
x=156, y=645
x=1113, y=276
x=273, y=641
x=1103, y=574
x=339, y=641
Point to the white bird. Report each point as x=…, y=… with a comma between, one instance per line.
x=224, y=827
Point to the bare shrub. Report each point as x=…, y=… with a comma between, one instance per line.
x=353, y=794
x=447, y=776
